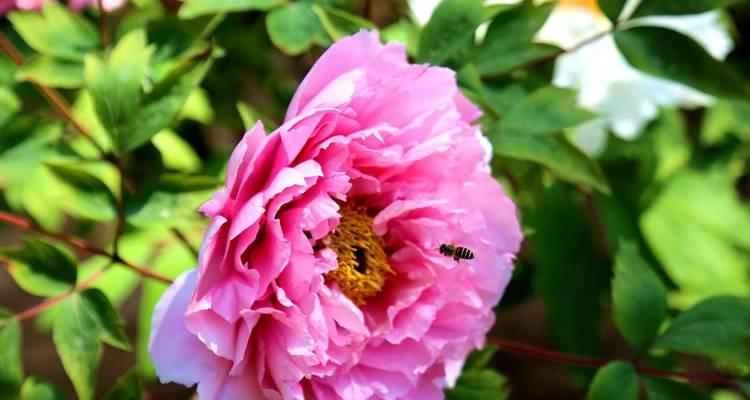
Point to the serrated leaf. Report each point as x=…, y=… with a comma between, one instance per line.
x=88, y=196
x=295, y=27
x=547, y=110
x=718, y=328
x=479, y=385
x=196, y=8
x=639, y=298
x=11, y=367
x=612, y=8
x=509, y=40
x=562, y=158
x=339, y=23
x=172, y=201
x=128, y=387
x=664, y=389
x=41, y=268
x=56, y=31
x=682, y=7
x=670, y=55
x=51, y=72
x=450, y=31
x=615, y=381
x=37, y=389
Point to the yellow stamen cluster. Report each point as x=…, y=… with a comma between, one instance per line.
x=590, y=5
x=362, y=264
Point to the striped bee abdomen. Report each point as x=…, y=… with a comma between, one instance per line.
x=463, y=253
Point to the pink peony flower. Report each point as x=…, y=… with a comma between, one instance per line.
x=320, y=276
x=7, y=5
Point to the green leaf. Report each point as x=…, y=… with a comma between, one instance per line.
x=479, y=385
x=85, y=319
x=404, y=31
x=509, y=40
x=339, y=23
x=612, y=8
x=115, y=85
x=562, y=158
x=667, y=7
x=615, y=381
x=548, y=110
x=664, y=389
x=478, y=359
x=670, y=55
x=11, y=366
x=568, y=274
x=450, y=31
x=172, y=201
x=52, y=72
x=88, y=196
x=75, y=334
x=56, y=31
x=41, y=268
x=724, y=118
x=9, y=104
x=718, y=328
x=197, y=107
x=162, y=106
x=176, y=152
x=109, y=323
x=639, y=298
x=295, y=27
x=196, y=8
x=128, y=387
x=37, y=389
x=696, y=228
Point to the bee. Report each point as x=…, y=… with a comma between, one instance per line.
x=457, y=252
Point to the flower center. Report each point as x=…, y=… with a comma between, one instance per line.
x=589, y=5
x=362, y=264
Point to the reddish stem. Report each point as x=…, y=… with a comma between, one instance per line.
x=80, y=244
x=47, y=304
x=572, y=359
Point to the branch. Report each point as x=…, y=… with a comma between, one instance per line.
x=81, y=244
x=53, y=97
x=182, y=238
x=47, y=304
x=572, y=359
x=103, y=24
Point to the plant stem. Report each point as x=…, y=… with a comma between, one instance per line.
x=53, y=97
x=103, y=24
x=81, y=244
x=182, y=238
x=572, y=359
x=47, y=304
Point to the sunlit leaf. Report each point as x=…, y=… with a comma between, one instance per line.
x=41, y=268
x=295, y=27
x=52, y=72
x=196, y=8
x=478, y=385
x=37, y=389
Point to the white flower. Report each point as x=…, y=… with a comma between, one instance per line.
x=624, y=98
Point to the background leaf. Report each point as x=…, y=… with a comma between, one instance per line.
x=41, y=268
x=295, y=27
x=670, y=55
x=661, y=7
x=11, y=367
x=450, y=30
x=639, y=298
x=616, y=381
x=196, y=8
x=718, y=327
